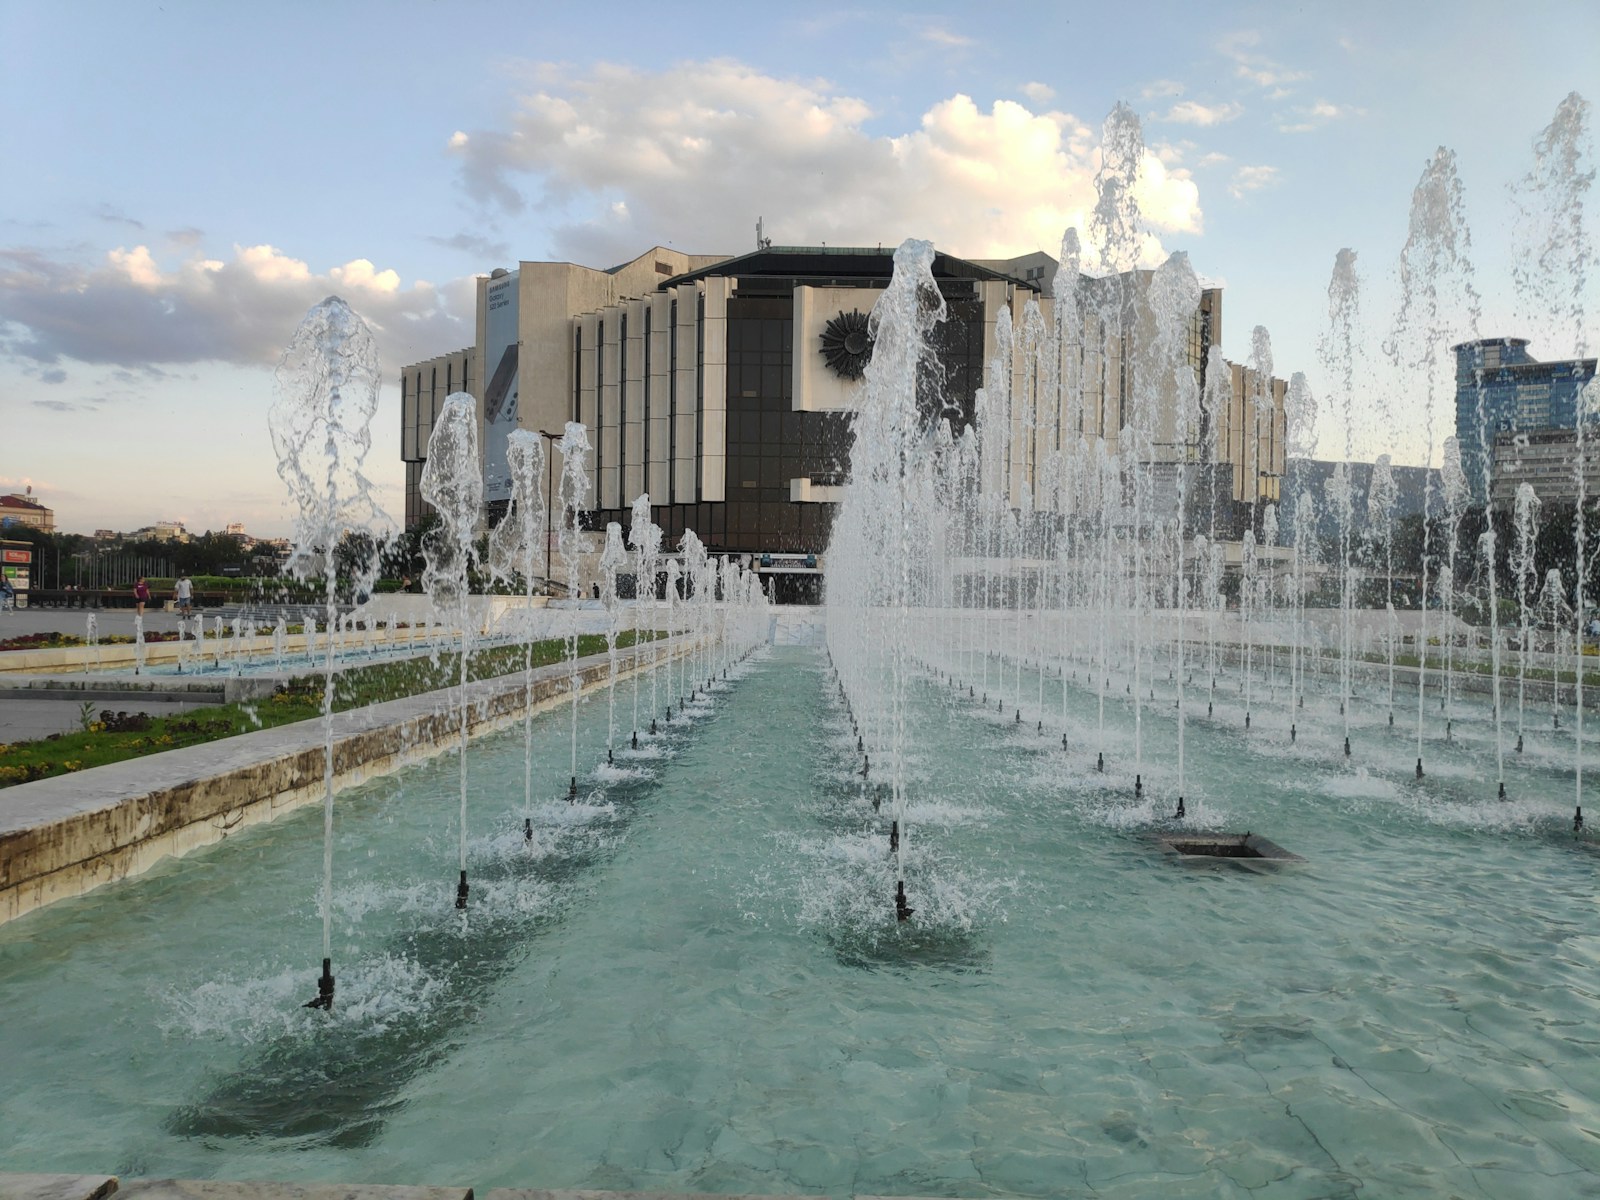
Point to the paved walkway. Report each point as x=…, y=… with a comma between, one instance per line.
x=22, y=720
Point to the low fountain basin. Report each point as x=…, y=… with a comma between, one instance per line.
x=1238, y=846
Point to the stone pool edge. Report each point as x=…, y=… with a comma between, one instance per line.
x=100, y=1187
x=64, y=836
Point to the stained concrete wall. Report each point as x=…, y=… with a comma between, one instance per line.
x=63, y=836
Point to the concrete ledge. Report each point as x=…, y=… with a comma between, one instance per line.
x=63, y=836
x=217, y=1189
x=56, y=1187
x=583, y=1194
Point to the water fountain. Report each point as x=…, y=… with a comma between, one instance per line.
x=890, y=903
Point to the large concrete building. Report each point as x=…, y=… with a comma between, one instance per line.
x=1501, y=388
x=724, y=387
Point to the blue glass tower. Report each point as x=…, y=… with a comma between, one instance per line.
x=1501, y=388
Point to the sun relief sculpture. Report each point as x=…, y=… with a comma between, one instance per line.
x=847, y=344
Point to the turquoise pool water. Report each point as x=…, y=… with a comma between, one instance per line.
x=694, y=982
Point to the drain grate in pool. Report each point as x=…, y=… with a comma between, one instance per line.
x=1225, y=845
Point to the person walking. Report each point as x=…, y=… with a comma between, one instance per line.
x=141, y=596
x=184, y=594
x=8, y=595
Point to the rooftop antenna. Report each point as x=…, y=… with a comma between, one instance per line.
x=762, y=243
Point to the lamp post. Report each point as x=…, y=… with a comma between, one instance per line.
x=549, y=486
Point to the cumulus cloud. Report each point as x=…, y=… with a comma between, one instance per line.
x=1039, y=93
x=1160, y=89
x=1251, y=179
x=622, y=158
x=134, y=311
x=1192, y=112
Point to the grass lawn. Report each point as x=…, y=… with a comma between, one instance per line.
x=110, y=736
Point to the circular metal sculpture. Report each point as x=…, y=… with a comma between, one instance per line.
x=847, y=344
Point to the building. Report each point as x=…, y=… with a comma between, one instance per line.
x=1546, y=459
x=161, y=531
x=25, y=510
x=724, y=387
x=1501, y=388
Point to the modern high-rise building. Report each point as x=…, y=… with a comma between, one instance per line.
x=1501, y=388
x=725, y=387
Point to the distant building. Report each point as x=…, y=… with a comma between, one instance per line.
x=1310, y=477
x=236, y=529
x=1546, y=459
x=1501, y=388
x=25, y=510
x=725, y=387
x=161, y=531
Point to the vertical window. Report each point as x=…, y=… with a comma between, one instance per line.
x=622, y=411
x=672, y=407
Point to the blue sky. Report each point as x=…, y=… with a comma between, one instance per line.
x=183, y=180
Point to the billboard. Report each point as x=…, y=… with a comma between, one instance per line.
x=500, y=394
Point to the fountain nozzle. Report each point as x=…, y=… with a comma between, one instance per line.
x=1291, y=734
x=894, y=836
x=652, y=726
x=1347, y=748
x=572, y=791
x=1577, y=821
x=1419, y=768
x=461, y=891
x=866, y=764
x=527, y=829
x=902, y=910
x=1502, y=795
x=1063, y=741
x=1100, y=761
x=324, y=998
x=635, y=739
x=1138, y=787
x=1179, y=815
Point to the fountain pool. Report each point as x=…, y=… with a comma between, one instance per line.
x=693, y=982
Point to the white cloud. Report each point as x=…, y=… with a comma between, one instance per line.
x=1308, y=119
x=1251, y=179
x=1160, y=89
x=693, y=153
x=941, y=36
x=1192, y=112
x=1214, y=159
x=1039, y=93
x=132, y=311
x=1252, y=66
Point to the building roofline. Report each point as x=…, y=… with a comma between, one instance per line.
x=751, y=263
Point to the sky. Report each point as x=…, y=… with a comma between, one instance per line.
x=182, y=181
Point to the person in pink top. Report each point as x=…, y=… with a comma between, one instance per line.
x=141, y=595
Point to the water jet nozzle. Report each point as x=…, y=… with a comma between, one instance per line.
x=635, y=739
x=1502, y=794
x=1179, y=815
x=1291, y=734
x=652, y=726
x=1138, y=787
x=1347, y=747
x=1247, y=720
x=1419, y=768
x=902, y=910
x=866, y=764
x=1063, y=741
x=894, y=836
x=1100, y=761
x=1577, y=821
x=861, y=743
x=527, y=829
x=1519, y=743
x=1019, y=716
x=461, y=891
x=609, y=760
x=572, y=791
x=324, y=998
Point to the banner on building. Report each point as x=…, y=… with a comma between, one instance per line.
x=500, y=394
